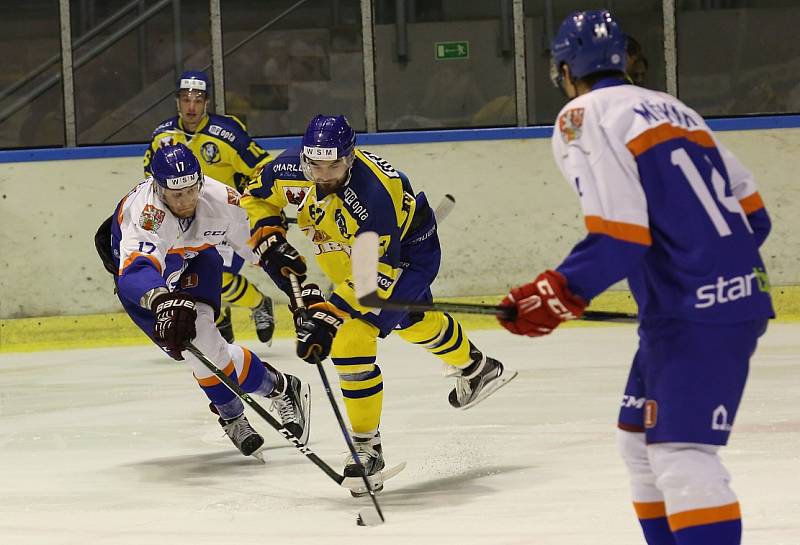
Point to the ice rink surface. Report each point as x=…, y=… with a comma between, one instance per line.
x=116, y=446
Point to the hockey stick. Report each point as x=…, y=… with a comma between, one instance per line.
x=364, y=260
x=262, y=412
x=365, y=518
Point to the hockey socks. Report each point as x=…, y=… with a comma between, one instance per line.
x=718, y=525
x=653, y=519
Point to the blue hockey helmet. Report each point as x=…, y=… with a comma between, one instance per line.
x=328, y=138
x=194, y=80
x=588, y=42
x=175, y=167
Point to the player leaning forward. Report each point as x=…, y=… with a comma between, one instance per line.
x=168, y=273
x=674, y=212
x=341, y=191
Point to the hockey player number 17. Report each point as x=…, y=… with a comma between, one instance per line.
x=681, y=159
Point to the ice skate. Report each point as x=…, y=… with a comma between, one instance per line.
x=293, y=405
x=478, y=380
x=370, y=453
x=246, y=439
x=225, y=326
x=264, y=319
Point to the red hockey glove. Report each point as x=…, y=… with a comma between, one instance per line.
x=542, y=305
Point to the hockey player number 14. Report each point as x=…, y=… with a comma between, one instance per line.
x=681, y=159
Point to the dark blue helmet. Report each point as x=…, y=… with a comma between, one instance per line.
x=588, y=42
x=328, y=138
x=194, y=80
x=175, y=167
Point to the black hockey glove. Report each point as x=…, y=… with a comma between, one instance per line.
x=316, y=325
x=280, y=259
x=175, y=322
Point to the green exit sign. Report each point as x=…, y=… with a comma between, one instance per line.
x=451, y=50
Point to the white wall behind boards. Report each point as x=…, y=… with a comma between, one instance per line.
x=514, y=216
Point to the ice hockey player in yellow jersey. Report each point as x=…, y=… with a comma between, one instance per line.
x=227, y=153
x=339, y=191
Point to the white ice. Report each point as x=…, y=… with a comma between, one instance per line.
x=117, y=447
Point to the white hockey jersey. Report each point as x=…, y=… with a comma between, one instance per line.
x=665, y=205
x=152, y=246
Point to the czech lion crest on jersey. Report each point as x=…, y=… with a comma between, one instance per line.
x=571, y=124
x=233, y=196
x=210, y=153
x=151, y=218
x=295, y=195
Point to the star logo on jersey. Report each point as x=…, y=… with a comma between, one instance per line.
x=570, y=124
x=210, y=153
x=295, y=195
x=151, y=218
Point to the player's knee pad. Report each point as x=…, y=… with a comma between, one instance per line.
x=208, y=341
x=690, y=475
x=355, y=347
x=633, y=450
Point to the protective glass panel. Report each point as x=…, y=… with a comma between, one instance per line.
x=283, y=66
x=31, y=103
x=750, y=56
x=641, y=19
x=445, y=63
x=127, y=56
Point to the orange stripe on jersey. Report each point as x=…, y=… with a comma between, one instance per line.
x=650, y=509
x=133, y=257
x=700, y=517
x=628, y=232
x=662, y=133
x=213, y=380
x=121, y=213
x=752, y=203
x=248, y=356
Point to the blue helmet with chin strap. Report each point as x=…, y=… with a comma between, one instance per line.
x=175, y=167
x=588, y=42
x=328, y=138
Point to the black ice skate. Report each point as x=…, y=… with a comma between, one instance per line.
x=478, y=380
x=246, y=439
x=264, y=318
x=225, y=326
x=292, y=401
x=370, y=453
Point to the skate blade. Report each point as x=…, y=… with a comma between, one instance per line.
x=356, y=484
x=507, y=376
x=259, y=455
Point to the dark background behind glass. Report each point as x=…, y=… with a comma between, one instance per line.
x=735, y=57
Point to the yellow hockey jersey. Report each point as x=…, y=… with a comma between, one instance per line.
x=221, y=143
x=376, y=198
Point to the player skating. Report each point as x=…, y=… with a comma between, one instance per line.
x=676, y=214
x=340, y=191
x=228, y=154
x=161, y=245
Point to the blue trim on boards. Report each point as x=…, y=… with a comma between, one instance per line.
x=383, y=138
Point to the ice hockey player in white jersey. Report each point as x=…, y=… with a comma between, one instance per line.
x=668, y=208
x=161, y=246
